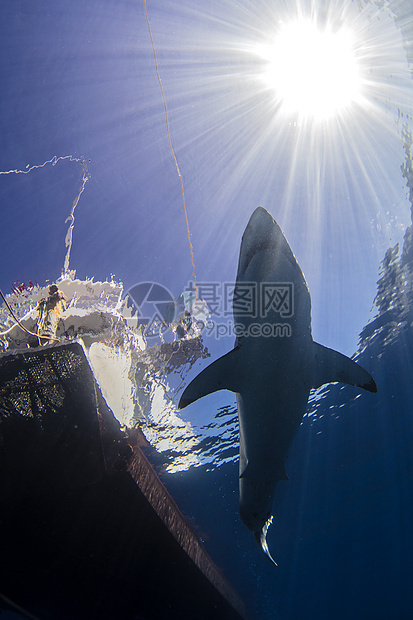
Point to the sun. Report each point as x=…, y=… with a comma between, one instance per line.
x=313, y=72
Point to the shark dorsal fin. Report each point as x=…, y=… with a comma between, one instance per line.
x=331, y=366
x=223, y=374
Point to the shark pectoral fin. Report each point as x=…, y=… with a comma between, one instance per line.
x=223, y=374
x=332, y=366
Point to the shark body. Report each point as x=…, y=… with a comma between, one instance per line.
x=273, y=367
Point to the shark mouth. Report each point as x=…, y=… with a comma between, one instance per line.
x=261, y=538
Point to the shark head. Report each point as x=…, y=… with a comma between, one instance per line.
x=266, y=258
x=263, y=241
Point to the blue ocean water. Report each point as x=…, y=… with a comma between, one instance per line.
x=81, y=80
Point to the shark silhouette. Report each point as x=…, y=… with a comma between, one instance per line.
x=273, y=367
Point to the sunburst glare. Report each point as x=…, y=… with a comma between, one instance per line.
x=298, y=108
x=313, y=71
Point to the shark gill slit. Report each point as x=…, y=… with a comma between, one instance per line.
x=191, y=248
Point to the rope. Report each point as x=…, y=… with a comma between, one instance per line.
x=191, y=249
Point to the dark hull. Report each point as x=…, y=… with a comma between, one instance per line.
x=87, y=529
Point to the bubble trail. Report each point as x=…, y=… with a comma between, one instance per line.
x=52, y=161
x=71, y=217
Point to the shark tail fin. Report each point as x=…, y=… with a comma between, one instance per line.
x=332, y=366
x=261, y=538
x=223, y=374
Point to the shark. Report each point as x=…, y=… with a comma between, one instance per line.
x=272, y=368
